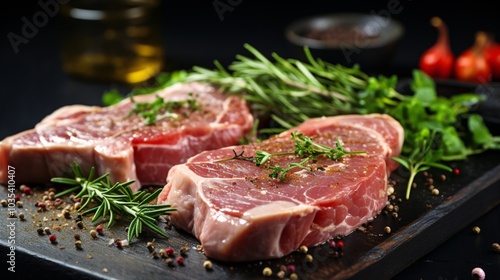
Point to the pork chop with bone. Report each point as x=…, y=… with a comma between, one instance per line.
x=239, y=213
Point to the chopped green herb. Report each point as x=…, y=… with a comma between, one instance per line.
x=304, y=148
x=160, y=109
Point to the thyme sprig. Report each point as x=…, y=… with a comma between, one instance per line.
x=305, y=148
x=115, y=200
x=160, y=109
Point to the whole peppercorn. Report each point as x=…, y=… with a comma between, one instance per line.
x=169, y=251
x=478, y=274
x=387, y=229
x=150, y=246
x=78, y=244
x=267, y=271
x=169, y=261
x=26, y=190
x=77, y=236
x=99, y=229
x=93, y=234
x=162, y=253
x=21, y=216
x=47, y=230
x=303, y=249
x=180, y=260
x=496, y=247
x=53, y=239
x=40, y=231
x=66, y=214
x=476, y=230
x=183, y=250
x=207, y=265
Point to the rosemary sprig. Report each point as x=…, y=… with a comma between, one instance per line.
x=305, y=148
x=160, y=109
x=115, y=200
x=291, y=91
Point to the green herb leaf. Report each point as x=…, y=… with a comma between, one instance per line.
x=115, y=200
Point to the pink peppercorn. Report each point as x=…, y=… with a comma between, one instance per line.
x=290, y=268
x=27, y=190
x=99, y=229
x=180, y=260
x=53, y=239
x=332, y=243
x=169, y=251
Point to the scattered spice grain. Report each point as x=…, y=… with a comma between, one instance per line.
x=387, y=229
x=78, y=244
x=53, y=239
x=207, y=265
x=496, y=247
x=180, y=260
x=478, y=274
x=303, y=249
x=267, y=271
x=476, y=230
x=99, y=229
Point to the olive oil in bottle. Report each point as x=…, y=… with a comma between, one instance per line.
x=112, y=40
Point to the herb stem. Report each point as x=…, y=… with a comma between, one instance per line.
x=115, y=200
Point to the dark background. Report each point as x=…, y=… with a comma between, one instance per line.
x=33, y=84
x=193, y=34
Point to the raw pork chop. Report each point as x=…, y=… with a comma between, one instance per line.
x=115, y=141
x=240, y=214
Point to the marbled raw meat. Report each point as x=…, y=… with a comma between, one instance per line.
x=114, y=141
x=239, y=213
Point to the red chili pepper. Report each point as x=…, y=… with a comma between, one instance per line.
x=472, y=65
x=493, y=58
x=438, y=60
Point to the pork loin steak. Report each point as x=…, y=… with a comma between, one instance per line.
x=239, y=213
x=113, y=140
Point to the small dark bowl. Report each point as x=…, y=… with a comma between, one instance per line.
x=348, y=39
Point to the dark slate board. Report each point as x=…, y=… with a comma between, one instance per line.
x=423, y=222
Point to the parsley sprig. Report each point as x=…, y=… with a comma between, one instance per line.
x=115, y=200
x=305, y=148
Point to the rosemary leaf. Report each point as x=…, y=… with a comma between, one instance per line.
x=113, y=200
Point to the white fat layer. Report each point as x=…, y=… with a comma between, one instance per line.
x=278, y=208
